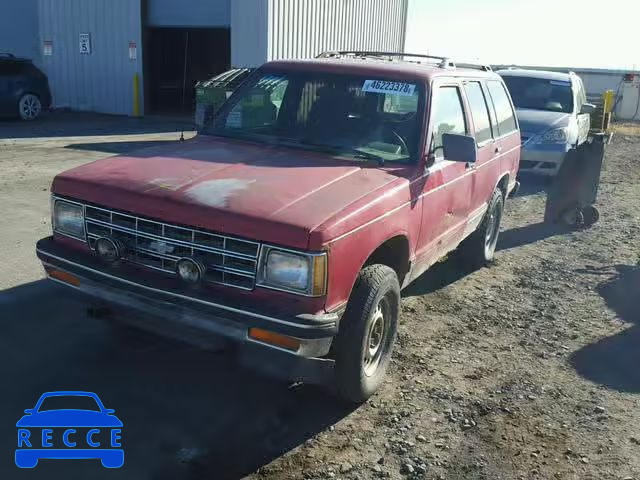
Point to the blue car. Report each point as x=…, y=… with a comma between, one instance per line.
x=37, y=439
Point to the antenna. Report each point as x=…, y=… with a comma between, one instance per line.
x=184, y=80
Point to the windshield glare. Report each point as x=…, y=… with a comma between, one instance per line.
x=352, y=116
x=540, y=93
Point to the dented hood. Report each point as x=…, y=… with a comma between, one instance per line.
x=261, y=192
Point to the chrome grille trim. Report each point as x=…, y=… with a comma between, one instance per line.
x=227, y=250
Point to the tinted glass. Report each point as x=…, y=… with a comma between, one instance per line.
x=504, y=111
x=10, y=67
x=540, y=93
x=449, y=116
x=479, y=111
x=69, y=402
x=351, y=116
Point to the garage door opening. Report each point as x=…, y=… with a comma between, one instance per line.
x=177, y=57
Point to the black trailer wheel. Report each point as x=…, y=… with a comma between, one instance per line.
x=591, y=215
x=367, y=333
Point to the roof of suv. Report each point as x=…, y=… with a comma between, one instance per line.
x=395, y=69
x=544, y=74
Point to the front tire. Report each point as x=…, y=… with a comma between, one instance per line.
x=480, y=248
x=367, y=333
x=29, y=107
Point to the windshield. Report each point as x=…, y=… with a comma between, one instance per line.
x=540, y=93
x=347, y=115
x=69, y=402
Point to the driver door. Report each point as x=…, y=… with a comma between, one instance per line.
x=446, y=194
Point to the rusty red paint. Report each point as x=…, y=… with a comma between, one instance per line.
x=302, y=199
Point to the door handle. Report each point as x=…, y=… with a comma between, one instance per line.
x=498, y=149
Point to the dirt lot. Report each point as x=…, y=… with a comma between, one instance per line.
x=528, y=369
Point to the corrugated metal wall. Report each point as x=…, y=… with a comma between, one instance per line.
x=304, y=28
x=101, y=81
x=19, y=29
x=189, y=13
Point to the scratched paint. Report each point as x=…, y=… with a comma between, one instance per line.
x=216, y=193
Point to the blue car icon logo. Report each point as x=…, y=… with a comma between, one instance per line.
x=69, y=425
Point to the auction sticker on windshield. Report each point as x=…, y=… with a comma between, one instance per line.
x=383, y=86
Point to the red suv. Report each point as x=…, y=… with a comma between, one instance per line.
x=292, y=221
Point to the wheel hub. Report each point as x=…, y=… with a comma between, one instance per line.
x=374, y=341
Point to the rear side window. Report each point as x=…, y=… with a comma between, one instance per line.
x=9, y=67
x=448, y=117
x=479, y=111
x=504, y=110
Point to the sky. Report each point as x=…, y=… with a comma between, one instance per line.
x=560, y=33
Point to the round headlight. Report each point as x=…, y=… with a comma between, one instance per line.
x=109, y=249
x=189, y=270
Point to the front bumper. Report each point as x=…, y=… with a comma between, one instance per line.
x=200, y=319
x=543, y=161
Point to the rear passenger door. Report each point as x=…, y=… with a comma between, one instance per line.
x=488, y=145
x=507, y=141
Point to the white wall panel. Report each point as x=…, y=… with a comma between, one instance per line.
x=189, y=13
x=101, y=81
x=19, y=28
x=305, y=28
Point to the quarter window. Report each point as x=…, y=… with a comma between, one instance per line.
x=504, y=110
x=479, y=111
x=448, y=116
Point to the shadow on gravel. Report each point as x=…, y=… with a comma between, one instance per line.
x=519, y=236
x=615, y=361
x=187, y=413
x=81, y=124
x=120, y=147
x=531, y=184
x=439, y=276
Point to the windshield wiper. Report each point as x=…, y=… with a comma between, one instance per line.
x=368, y=156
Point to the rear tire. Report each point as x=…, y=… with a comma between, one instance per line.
x=367, y=333
x=480, y=247
x=29, y=107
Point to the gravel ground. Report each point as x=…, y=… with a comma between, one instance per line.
x=528, y=369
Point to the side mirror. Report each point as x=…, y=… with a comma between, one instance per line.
x=29, y=411
x=588, y=108
x=459, y=148
x=109, y=411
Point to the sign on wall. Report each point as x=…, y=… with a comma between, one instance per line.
x=85, y=43
x=133, y=51
x=47, y=48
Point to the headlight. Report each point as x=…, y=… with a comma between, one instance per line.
x=295, y=272
x=557, y=135
x=68, y=218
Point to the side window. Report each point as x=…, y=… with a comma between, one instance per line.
x=260, y=108
x=504, y=112
x=581, y=96
x=448, y=116
x=479, y=111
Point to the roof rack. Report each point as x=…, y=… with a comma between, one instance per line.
x=442, y=62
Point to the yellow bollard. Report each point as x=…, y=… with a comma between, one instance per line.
x=609, y=97
x=136, y=95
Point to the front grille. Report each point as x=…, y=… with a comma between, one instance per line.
x=229, y=261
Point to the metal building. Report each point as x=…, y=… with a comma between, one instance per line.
x=144, y=56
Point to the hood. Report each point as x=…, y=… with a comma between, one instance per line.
x=535, y=122
x=69, y=418
x=260, y=192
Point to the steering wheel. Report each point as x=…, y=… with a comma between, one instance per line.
x=403, y=145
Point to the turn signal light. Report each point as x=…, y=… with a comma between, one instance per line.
x=275, y=339
x=319, y=285
x=64, y=277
